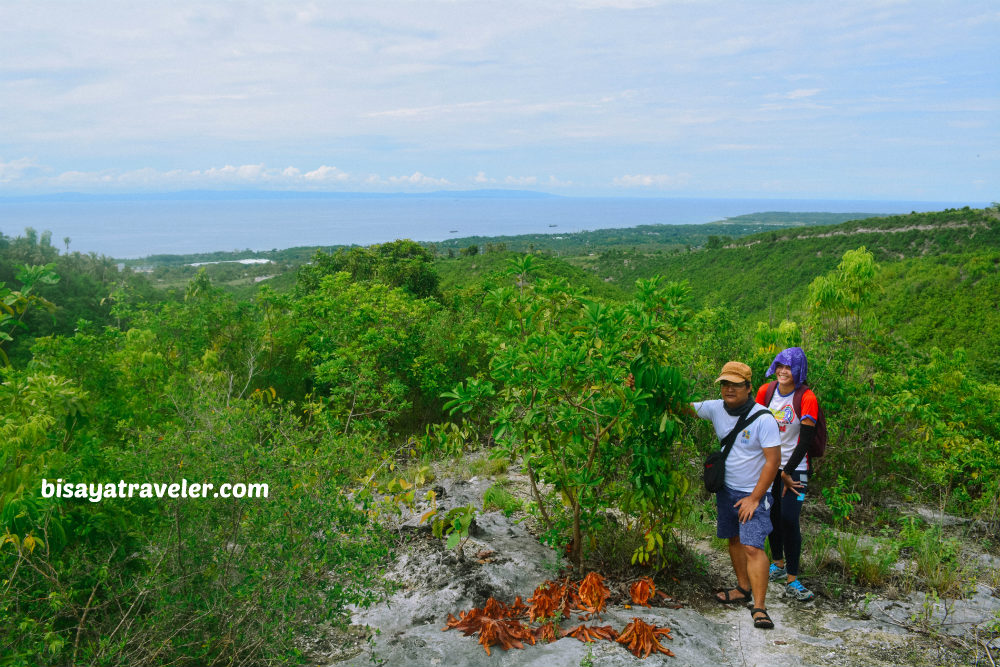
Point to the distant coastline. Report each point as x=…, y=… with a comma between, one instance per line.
x=135, y=226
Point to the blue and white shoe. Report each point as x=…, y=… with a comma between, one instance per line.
x=798, y=591
x=776, y=573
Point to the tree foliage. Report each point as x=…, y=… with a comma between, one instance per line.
x=564, y=407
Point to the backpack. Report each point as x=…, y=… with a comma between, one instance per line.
x=818, y=447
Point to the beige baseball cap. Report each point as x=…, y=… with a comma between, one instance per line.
x=734, y=371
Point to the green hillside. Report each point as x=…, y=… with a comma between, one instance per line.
x=647, y=237
x=343, y=383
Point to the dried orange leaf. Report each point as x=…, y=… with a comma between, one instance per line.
x=518, y=609
x=642, y=590
x=551, y=599
x=546, y=633
x=592, y=633
x=492, y=626
x=593, y=593
x=640, y=638
x=495, y=609
x=506, y=632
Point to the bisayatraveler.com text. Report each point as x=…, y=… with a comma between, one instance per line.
x=96, y=492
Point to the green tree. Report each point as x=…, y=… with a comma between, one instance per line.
x=401, y=263
x=363, y=344
x=840, y=299
x=15, y=304
x=565, y=406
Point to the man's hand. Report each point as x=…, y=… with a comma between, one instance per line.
x=745, y=507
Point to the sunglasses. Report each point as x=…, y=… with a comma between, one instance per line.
x=727, y=383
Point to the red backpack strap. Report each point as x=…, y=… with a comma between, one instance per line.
x=771, y=387
x=797, y=400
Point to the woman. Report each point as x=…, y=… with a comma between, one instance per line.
x=796, y=409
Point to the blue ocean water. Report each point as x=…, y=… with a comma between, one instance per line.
x=139, y=227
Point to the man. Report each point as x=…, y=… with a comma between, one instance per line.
x=745, y=501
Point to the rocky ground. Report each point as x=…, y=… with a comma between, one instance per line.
x=504, y=559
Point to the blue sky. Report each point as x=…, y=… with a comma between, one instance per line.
x=852, y=100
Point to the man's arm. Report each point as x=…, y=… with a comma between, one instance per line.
x=745, y=507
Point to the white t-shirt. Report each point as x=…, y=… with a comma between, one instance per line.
x=789, y=427
x=746, y=459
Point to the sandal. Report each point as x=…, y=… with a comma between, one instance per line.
x=764, y=622
x=727, y=597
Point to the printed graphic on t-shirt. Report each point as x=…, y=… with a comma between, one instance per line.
x=784, y=415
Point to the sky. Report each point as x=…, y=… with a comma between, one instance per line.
x=883, y=100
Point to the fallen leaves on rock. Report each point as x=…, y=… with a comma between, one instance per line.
x=589, y=633
x=593, y=593
x=642, y=590
x=499, y=624
x=552, y=599
x=506, y=632
x=547, y=632
x=640, y=638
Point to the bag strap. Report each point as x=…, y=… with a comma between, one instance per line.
x=797, y=399
x=771, y=388
x=730, y=439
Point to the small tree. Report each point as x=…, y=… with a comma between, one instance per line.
x=14, y=304
x=838, y=300
x=567, y=406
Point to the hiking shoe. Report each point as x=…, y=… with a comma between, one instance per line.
x=776, y=573
x=798, y=591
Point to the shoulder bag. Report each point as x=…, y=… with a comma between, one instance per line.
x=714, y=474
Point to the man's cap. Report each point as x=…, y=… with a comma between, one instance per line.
x=734, y=371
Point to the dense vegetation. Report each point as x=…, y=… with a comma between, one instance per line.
x=339, y=385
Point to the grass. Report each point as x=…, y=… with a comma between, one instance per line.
x=819, y=550
x=487, y=467
x=498, y=498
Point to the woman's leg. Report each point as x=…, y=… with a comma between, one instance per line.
x=775, y=539
x=791, y=530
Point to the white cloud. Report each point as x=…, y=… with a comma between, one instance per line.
x=578, y=88
x=431, y=111
x=740, y=147
x=802, y=92
x=326, y=173
x=14, y=170
x=259, y=175
x=84, y=178
x=516, y=181
x=416, y=178
x=651, y=181
x=251, y=173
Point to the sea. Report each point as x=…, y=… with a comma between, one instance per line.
x=140, y=226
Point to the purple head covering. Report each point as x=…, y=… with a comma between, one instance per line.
x=794, y=358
